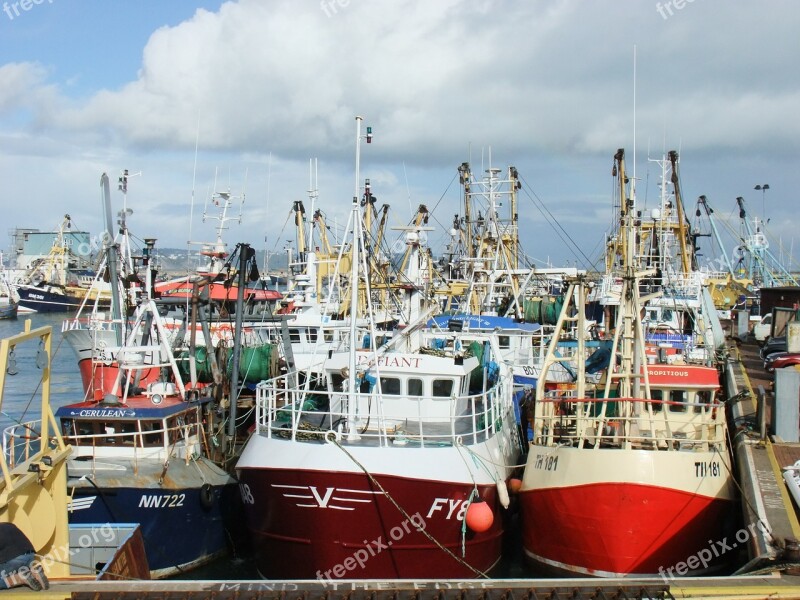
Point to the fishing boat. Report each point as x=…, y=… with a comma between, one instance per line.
x=56, y=282
x=141, y=445
x=372, y=465
x=143, y=434
x=629, y=474
x=216, y=277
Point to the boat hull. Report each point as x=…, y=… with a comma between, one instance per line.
x=43, y=300
x=314, y=514
x=100, y=372
x=614, y=512
x=182, y=527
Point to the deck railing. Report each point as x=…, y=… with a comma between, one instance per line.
x=309, y=414
x=630, y=423
x=22, y=440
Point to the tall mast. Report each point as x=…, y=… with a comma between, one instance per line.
x=111, y=259
x=355, y=219
x=682, y=235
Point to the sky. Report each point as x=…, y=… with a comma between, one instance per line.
x=240, y=96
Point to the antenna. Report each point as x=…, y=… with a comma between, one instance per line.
x=408, y=190
x=633, y=181
x=194, y=178
x=269, y=182
x=244, y=194
x=313, y=194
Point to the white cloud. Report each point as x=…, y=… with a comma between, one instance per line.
x=532, y=80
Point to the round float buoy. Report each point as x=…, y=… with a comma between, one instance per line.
x=207, y=496
x=514, y=485
x=479, y=516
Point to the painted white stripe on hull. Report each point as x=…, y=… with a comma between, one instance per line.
x=554, y=564
x=80, y=503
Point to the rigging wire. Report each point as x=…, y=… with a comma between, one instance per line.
x=562, y=233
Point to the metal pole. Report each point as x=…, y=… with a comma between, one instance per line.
x=244, y=256
x=111, y=257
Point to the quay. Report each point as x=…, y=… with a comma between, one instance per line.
x=768, y=510
x=774, y=585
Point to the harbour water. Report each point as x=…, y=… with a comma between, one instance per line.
x=20, y=402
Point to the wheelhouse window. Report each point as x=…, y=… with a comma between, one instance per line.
x=415, y=386
x=657, y=395
x=390, y=385
x=702, y=397
x=677, y=396
x=442, y=388
x=80, y=432
x=294, y=335
x=152, y=433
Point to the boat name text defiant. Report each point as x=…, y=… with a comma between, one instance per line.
x=392, y=361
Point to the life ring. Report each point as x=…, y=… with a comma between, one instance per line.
x=207, y=496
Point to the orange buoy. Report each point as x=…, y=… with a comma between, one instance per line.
x=514, y=485
x=479, y=516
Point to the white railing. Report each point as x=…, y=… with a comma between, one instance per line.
x=23, y=439
x=630, y=423
x=307, y=414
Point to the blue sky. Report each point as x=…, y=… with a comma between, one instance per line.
x=88, y=44
x=262, y=86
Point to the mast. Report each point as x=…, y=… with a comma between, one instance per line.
x=355, y=218
x=300, y=227
x=682, y=235
x=246, y=254
x=108, y=243
x=313, y=194
x=628, y=334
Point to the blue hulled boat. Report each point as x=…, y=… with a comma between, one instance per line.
x=144, y=461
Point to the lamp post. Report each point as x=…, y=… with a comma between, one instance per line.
x=763, y=187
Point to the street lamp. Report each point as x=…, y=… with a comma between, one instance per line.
x=763, y=187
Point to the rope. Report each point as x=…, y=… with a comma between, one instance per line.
x=486, y=460
x=377, y=484
x=565, y=237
